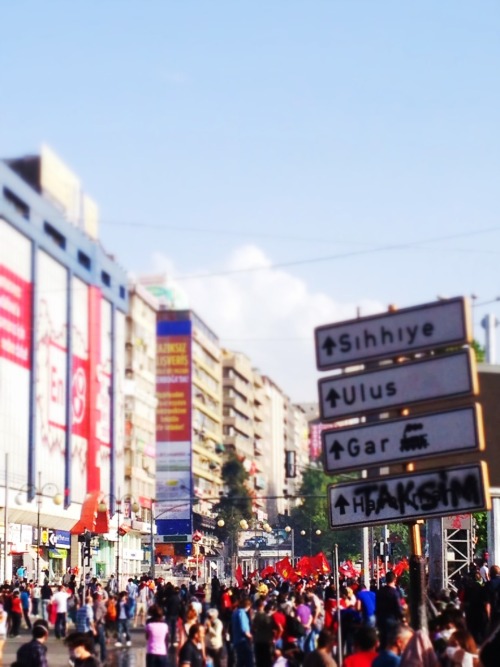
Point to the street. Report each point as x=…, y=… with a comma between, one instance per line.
x=58, y=653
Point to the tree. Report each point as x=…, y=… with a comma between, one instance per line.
x=312, y=515
x=479, y=351
x=236, y=504
x=481, y=530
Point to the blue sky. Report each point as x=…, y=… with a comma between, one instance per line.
x=217, y=136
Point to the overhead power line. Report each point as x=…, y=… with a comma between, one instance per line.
x=327, y=258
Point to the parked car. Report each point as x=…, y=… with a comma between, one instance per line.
x=255, y=542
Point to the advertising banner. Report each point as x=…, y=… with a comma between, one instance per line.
x=15, y=347
x=80, y=405
x=173, y=463
x=98, y=458
x=51, y=358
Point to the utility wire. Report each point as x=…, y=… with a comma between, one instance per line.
x=326, y=258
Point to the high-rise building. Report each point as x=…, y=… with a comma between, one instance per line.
x=140, y=424
x=297, y=457
x=63, y=302
x=244, y=431
x=189, y=429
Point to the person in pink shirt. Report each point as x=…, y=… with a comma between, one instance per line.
x=156, y=638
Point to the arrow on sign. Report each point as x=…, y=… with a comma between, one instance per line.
x=328, y=345
x=341, y=503
x=336, y=448
x=332, y=397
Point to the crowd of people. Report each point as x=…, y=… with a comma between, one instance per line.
x=259, y=623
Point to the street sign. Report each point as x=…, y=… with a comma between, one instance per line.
x=410, y=496
x=402, y=440
x=398, y=385
x=428, y=326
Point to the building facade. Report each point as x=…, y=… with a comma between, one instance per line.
x=244, y=428
x=63, y=302
x=189, y=433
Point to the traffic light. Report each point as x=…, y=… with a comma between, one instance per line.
x=85, y=538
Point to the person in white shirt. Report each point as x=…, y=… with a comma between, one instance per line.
x=484, y=571
x=60, y=600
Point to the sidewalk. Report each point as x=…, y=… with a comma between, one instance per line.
x=57, y=654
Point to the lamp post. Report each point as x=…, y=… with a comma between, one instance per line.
x=290, y=531
x=57, y=499
x=135, y=507
x=220, y=524
x=316, y=532
x=152, y=542
x=256, y=525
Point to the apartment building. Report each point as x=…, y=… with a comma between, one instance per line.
x=244, y=422
x=189, y=443
x=140, y=423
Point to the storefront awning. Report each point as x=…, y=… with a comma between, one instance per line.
x=91, y=518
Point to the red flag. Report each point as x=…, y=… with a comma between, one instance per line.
x=304, y=567
x=400, y=567
x=320, y=564
x=266, y=571
x=284, y=568
x=238, y=575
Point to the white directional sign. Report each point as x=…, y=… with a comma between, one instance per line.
x=428, y=326
x=398, y=385
x=402, y=440
x=409, y=497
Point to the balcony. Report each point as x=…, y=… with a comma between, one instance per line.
x=258, y=447
x=239, y=405
x=238, y=384
x=242, y=445
x=242, y=425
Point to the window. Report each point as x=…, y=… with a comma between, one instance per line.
x=84, y=260
x=106, y=278
x=55, y=235
x=17, y=203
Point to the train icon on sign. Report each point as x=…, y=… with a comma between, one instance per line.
x=413, y=439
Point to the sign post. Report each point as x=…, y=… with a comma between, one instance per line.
x=400, y=359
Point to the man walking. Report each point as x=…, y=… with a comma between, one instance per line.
x=388, y=609
x=34, y=653
x=60, y=600
x=241, y=633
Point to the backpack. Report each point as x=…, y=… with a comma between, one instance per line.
x=494, y=596
x=294, y=627
x=111, y=610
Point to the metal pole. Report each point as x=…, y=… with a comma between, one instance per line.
x=5, y=518
x=339, y=626
x=39, y=506
x=386, y=547
x=152, y=543
x=118, y=508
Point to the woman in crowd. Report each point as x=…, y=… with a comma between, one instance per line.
x=156, y=638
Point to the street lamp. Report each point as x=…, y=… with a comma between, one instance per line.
x=316, y=532
x=57, y=499
x=290, y=531
x=256, y=524
x=135, y=507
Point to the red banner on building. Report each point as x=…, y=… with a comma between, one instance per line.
x=173, y=414
x=15, y=318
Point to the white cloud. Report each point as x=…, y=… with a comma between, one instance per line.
x=269, y=315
